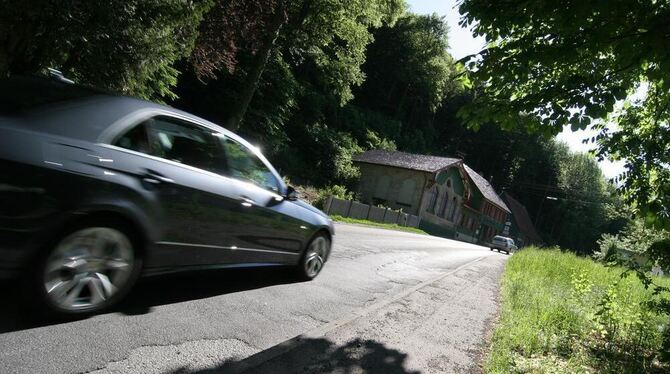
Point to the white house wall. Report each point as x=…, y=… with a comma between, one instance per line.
x=393, y=187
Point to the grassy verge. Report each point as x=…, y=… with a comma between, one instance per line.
x=564, y=314
x=389, y=226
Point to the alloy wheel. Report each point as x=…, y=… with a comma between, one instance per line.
x=88, y=268
x=316, y=256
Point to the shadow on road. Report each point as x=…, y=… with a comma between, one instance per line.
x=320, y=355
x=150, y=292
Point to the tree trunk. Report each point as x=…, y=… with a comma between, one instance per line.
x=256, y=70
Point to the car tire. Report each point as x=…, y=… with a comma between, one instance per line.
x=87, y=269
x=313, y=258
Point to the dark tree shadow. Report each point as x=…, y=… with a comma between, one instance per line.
x=149, y=292
x=320, y=355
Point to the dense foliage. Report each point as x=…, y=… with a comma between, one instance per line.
x=312, y=82
x=601, y=64
x=128, y=46
x=633, y=240
x=549, y=64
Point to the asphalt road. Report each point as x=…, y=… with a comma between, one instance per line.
x=386, y=302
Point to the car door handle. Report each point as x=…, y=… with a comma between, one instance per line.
x=246, y=201
x=154, y=177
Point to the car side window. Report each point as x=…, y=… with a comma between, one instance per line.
x=136, y=140
x=186, y=143
x=178, y=141
x=243, y=164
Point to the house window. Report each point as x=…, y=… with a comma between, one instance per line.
x=457, y=213
x=378, y=201
x=433, y=200
x=453, y=209
x=445, y=203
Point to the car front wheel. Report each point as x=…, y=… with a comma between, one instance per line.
x=88, y=270
x=314, y=258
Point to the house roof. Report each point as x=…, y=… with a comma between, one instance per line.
x=486, y=189
x=522, y=218
x=405, y=160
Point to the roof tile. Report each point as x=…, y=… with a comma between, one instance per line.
x=487, y=190
x=405, y=160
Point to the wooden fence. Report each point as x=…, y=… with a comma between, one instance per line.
x=354, y=209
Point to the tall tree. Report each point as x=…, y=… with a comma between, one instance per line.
x=128, y=46
x=328, y=36
x=581, y=203
x=409, y=75
x=229, y=26
x=550, y=64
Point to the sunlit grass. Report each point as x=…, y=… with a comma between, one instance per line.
x=549, y=319
x=388, y=226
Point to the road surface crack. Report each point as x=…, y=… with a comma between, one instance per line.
x=187, y=356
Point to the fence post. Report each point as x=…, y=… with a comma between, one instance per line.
x=367, y=216
x=384, y=216
x=349, y=208
x=329, y=203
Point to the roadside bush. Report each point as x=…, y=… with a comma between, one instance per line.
x=337, y=191
x=318, y=196
x=635, y=239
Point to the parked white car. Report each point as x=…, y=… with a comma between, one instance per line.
x=503, y=244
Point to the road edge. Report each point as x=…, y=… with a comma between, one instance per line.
x=318, y=332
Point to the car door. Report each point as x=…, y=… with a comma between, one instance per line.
x=182, y=165
x=269, y=228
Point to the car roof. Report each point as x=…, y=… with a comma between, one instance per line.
x=72, y=110
x=501, y=237
x=85, y=113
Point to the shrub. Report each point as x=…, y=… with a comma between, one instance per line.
x=634, y=240
x=337, y=191
x=318, y=196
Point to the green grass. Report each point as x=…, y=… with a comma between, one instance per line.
x=551, y=320
x=389, y=226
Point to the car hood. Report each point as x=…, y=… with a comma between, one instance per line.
x=309, y=207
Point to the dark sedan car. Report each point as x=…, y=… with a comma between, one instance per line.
x=96, y=189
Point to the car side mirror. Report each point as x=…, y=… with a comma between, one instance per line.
x=292, y=194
